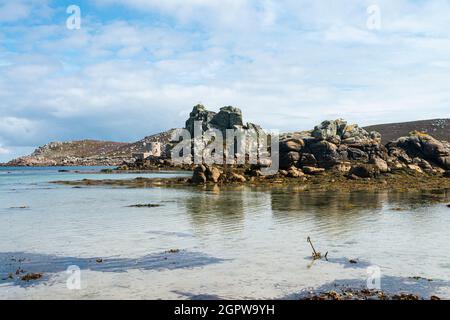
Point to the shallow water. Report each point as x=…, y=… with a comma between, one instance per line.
x=234, y=242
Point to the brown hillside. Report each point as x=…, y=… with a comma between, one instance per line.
x=438, y=128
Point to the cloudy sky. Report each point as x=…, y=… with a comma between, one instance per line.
x=136, y=67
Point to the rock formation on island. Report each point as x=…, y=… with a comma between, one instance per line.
x=337, y=146
x=333, y=145
x=227, y=118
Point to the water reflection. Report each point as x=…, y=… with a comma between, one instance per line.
x=361, y=202
x=228, y=208
x=214, y=206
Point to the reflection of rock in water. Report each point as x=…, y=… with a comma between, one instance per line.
x=217, y=207
x=287, y=201
x=291, y=202
x=411, y=200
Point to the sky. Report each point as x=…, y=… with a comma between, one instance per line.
x=137, y=67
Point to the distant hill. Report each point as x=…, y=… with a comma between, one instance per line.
x=438, y=128
x=83, y=152
x=139, y=146
x=88, y=152
x=93, y=152
x=83, y=148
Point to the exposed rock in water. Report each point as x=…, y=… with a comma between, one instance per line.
x=234, y=177
x=148, y=205
x=209, y=174
x=31, y=276
x=199, y=175
x=213, y=174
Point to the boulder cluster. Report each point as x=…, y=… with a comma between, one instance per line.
x=339, y=146
x=227, y=118
x=334, y=145
x=349, y=149
x=204, y=173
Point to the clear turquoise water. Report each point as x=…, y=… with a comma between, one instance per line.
x=234, y=242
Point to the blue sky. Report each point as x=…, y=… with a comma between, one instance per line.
x=137, y=67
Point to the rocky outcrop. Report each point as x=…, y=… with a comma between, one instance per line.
x=209, y=174
x=227, y=118
x=199, y=113
x=346, y=149
x=199, y=175
x=329, y=144
x=423, y=147
x=350, y=149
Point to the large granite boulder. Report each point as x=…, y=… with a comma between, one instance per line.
x=291, y=144
x=326, y=153
x=204, y=173
x=308, y=160
x=213, y=174
x=380, y=164
x=199, y=113
x=357, y=154
x=289, y=159
x=227, y=118
x=330, y=130
x=199, y=175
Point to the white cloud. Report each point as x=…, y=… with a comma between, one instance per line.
x=14, y=127
x=19, y=10
x=13, y=10
x=288, y=64
x=3, y=151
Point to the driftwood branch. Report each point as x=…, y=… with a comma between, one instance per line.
x=315, y=254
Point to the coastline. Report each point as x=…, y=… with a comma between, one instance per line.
x=400, y=181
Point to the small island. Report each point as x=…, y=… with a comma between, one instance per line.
x=333, y=155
